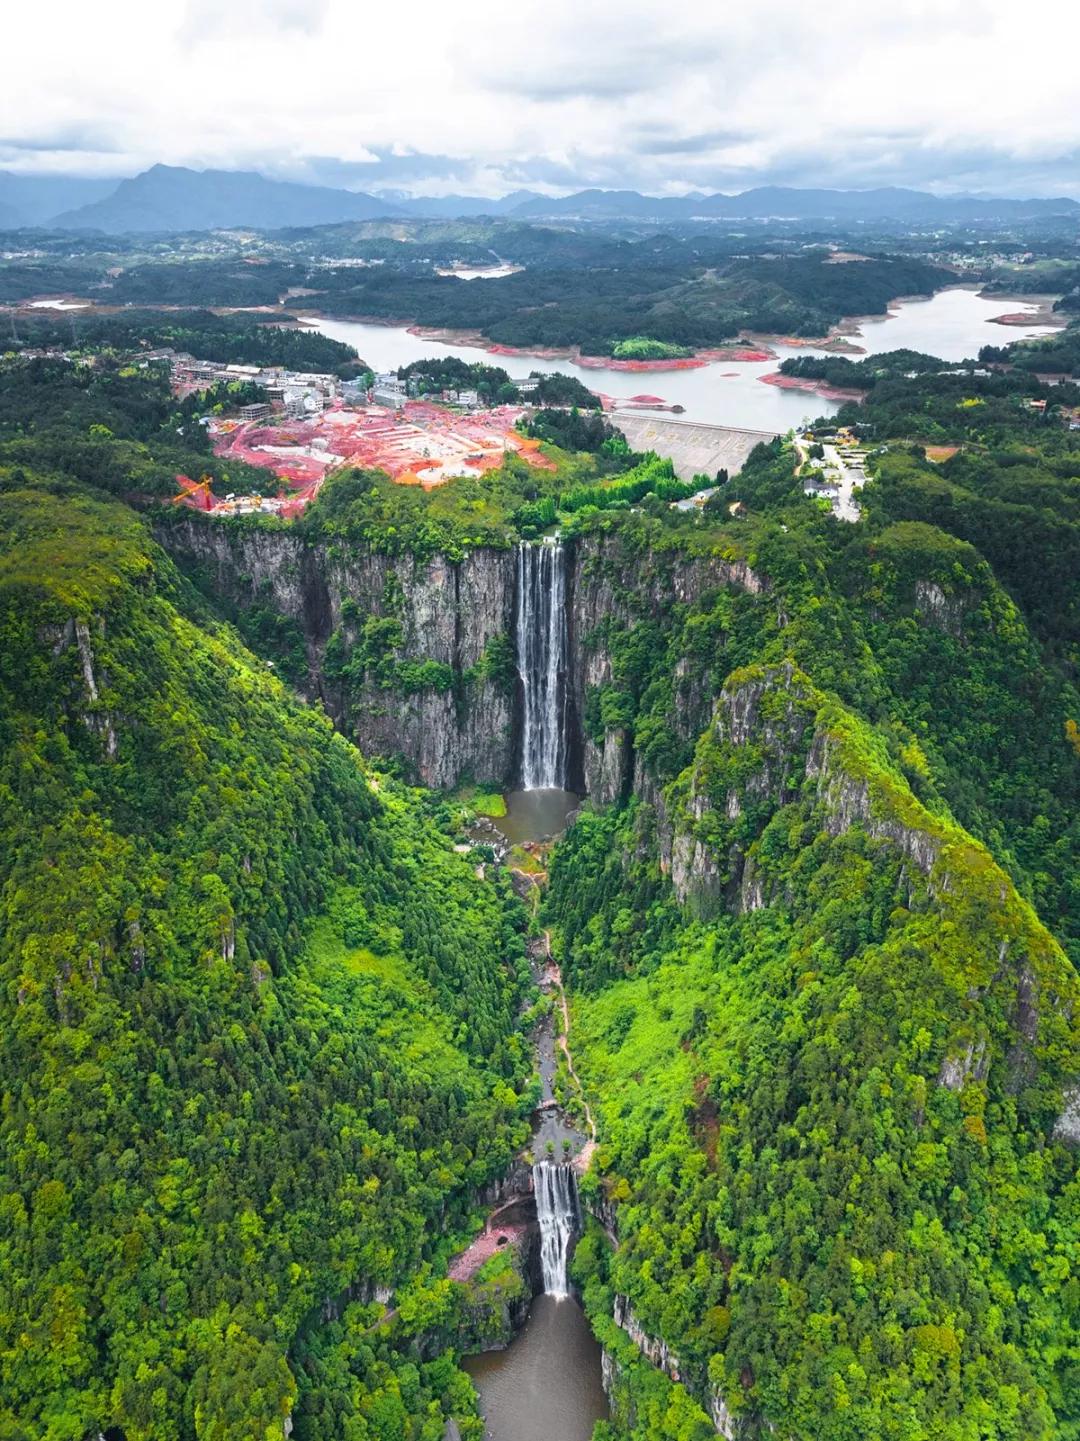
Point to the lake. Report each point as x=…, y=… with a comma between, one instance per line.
x=954, y=324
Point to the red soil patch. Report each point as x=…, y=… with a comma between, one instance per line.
x=1019, y=317
x=607, y=362
x=463, y=1267
x=423, y=444
x=939, y=453
x=812, y=387
x=744, y=354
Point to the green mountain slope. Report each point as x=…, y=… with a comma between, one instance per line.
x=829, y=1106
x=211, y=1122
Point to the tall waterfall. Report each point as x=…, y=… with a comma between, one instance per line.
x=542, y=638
x=559, y=1215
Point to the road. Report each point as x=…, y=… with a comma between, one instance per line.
x=849, y=478
x=845, y=506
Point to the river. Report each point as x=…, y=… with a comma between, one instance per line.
x=547, y=1383
x=954, y=324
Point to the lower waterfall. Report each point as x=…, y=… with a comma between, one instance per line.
x=559, y=1216
x=541, y=635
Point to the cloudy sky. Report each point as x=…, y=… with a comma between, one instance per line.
x=433, y=97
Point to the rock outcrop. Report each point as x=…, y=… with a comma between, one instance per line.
x=448, y=613
x=614, y=589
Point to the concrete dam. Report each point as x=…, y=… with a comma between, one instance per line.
x=693, y=448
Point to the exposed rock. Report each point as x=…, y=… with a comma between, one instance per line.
x=608, y=767
x=943, y=611
x=613, y=588
x=449, y=612
x=657, y=1352
x=1067, y=1125
x=847, y=802
x=1021, y=1059
x=97, y=719
x=972, y=1064
x=722, y=1418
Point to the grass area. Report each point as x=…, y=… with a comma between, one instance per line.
x=643, y=347
x=483, y=800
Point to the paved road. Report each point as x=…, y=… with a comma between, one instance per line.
x=845, y=506
x=848, y=479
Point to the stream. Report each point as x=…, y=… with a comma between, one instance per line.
x=546, y=1385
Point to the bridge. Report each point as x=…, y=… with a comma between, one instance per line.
x=693, y=448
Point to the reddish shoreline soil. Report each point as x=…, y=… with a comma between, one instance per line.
x=812, y=387
x=743, y=353
x=1025, y=319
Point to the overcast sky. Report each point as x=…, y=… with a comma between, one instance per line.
x=974, y=95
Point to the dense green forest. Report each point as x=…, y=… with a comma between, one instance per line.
x=260, y=1037
x=657, y=294
x=116, y=426
x=232, y=339
x=227, y=948
x=493, y=384
x=804, y=996
x=262, y=1028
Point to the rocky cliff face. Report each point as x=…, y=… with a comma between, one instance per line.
x=615, y=587
x=775, y=742
x=660, y=1355
x=448, y=614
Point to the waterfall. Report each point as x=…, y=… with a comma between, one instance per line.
x=542, y=638
x=560, y=1221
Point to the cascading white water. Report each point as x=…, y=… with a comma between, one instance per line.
x=542, y=638
x=559, y=1214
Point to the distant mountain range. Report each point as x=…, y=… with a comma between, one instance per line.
x=772, y=202
x=169, y=197
x=173, y=198
x=37, y=199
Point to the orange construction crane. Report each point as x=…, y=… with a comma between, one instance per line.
x=196, y=493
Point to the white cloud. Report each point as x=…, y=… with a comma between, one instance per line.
x=937, y=91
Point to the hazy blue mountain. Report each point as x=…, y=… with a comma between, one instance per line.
x=457, y=207
x=172, y=198
x=773, y=201
x=890, y=202
x=36, y=199
x=602, y=204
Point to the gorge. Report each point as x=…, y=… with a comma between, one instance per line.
x=636, y=676
x=553, y=607
x=811, y=919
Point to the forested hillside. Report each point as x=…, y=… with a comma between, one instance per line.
x=823, y=955
x=259, y=1021
x=820, y=929
x=659, y=293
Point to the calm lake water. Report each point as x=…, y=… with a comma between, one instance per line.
x=536, y=815
x=954, y=324
x=546, y=1385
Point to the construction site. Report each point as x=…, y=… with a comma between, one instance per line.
x=418, y=443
